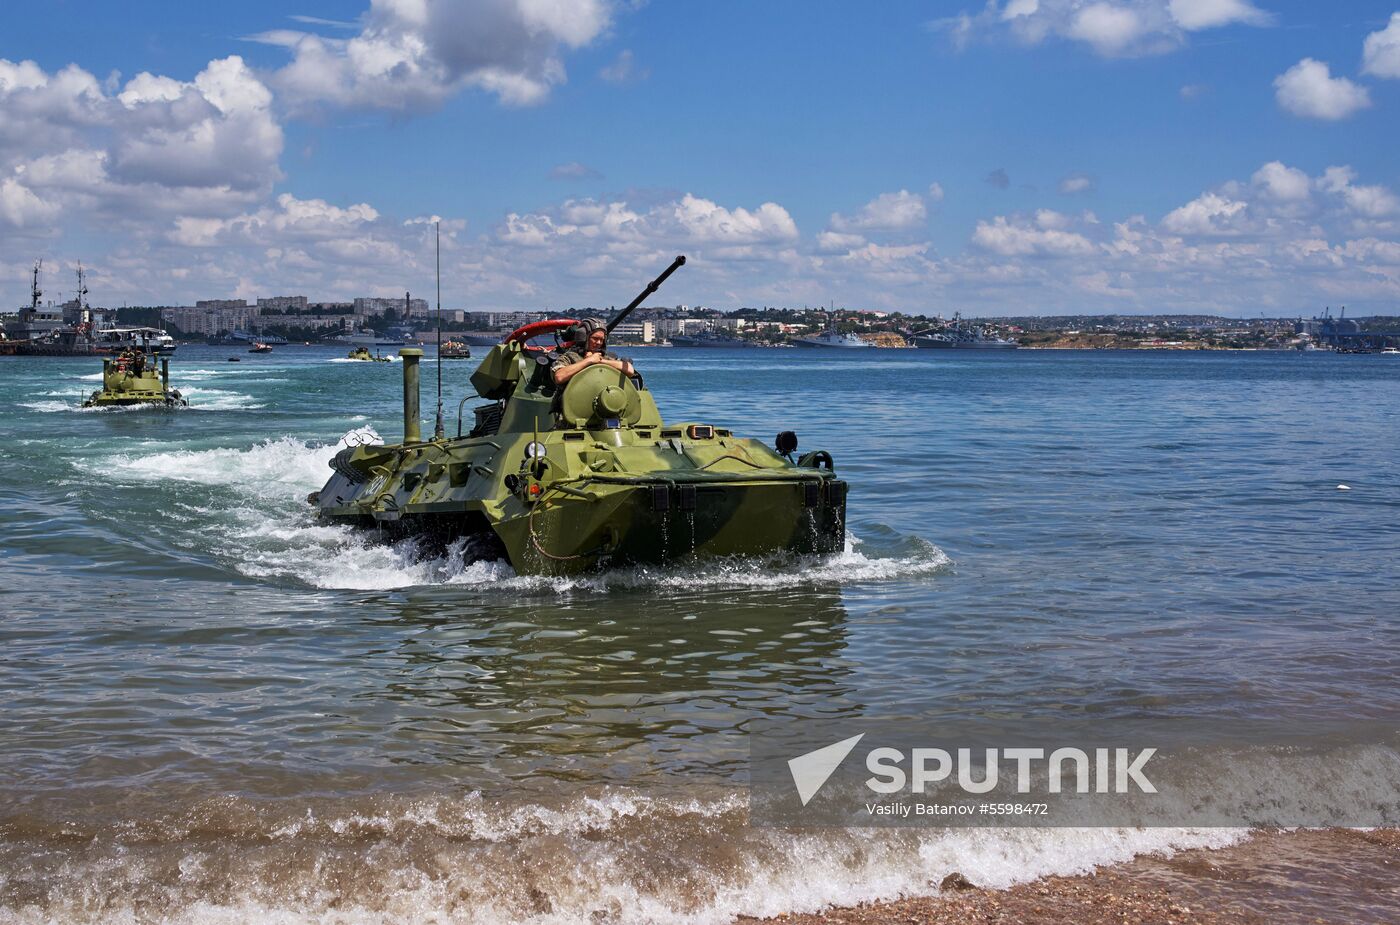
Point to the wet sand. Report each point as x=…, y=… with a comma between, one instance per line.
x=1277, y=878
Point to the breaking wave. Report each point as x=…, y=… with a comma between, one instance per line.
x=613, y=855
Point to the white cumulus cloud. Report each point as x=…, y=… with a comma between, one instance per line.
x=1364, y=201
x=1046, y=235
x=1380, y=54
x=1281, y=183
x=1210, y=14
x=706, y=221
x=155, y=146
x=414, y=54
x=1207, y=214
x=887, y=212
x=1112, y=28
x=1308, y=89
x=834, y=242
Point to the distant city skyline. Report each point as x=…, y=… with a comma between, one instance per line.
x=1002, y=158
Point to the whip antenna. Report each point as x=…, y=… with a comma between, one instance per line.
x=437, y=262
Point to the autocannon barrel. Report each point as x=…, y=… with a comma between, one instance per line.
x=651, y=287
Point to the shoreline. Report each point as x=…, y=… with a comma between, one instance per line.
x=1279, y=878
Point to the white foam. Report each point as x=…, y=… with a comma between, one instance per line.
x=49, y=407
x=341, y=557
x=218, y=399
x=620, y=857
x=287, y=467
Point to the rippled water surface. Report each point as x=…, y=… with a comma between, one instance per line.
x=216, y=706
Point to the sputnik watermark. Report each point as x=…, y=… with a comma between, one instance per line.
x=1087, y=771
x=1115, y=770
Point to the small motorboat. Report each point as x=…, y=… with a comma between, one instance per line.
x=259, y=347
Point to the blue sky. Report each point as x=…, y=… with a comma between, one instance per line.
x=1023, y=156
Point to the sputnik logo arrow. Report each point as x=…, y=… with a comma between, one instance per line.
x=811, y=771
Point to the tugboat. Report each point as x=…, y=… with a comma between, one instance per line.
x=130, y=379
x=455, y=350
x=259, y=347
x=561, y=480
x=362, y=353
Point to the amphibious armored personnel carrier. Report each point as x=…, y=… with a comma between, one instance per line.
x=362, y=353
x=131, y=379
x=566, y=479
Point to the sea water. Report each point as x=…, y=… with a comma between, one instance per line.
x=218, y=709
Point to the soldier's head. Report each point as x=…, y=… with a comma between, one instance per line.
x=591, y=335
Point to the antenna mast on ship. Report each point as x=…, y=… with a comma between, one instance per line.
x=34, y=292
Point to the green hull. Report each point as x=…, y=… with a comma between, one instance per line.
x=668, y=509
x=625, y=526
x=104, y=400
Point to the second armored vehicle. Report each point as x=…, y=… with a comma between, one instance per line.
x=562, y=479
x=130, y=379
x=362, y=353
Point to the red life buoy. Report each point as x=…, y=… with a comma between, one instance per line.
x=537, y=328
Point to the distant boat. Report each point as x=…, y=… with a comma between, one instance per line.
x=481, y=338
x=365, y=339
x=259, y=347
x=832, y=338
x=454, y=350
x=962, y=336
x=244, y=337
x=151, y=340
x=710, y=339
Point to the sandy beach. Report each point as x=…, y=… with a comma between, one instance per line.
x=1280, y=878
x=1276, y=878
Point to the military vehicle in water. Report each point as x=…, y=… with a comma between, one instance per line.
x=561, y=480
x=131, y=379
x=362, y=353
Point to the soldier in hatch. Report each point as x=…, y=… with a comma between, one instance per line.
x=589, y=347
